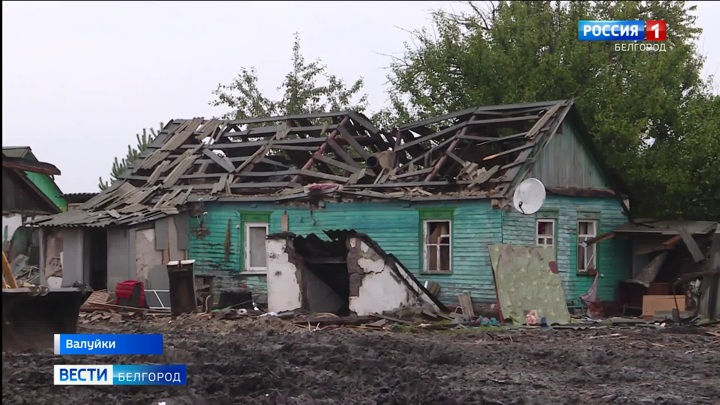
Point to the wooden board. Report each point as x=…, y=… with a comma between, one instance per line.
x=97, y=298
x=466, y=305
x=653, y=303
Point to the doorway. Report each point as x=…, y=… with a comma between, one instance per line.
x=98, y=258
x=325, y=278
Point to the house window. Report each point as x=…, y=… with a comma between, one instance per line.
x=437, y=245
x=545, y=232
x=586, y=259
x=255, y=257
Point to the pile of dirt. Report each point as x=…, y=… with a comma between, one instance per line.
x=270, y=361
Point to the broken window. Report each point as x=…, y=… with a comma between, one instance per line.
x=437, y=246
x=545, y=232
x=586, y=254
x=255, y=235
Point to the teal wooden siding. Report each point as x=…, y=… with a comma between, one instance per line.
x=565, y=162
x=613, y=256
x=209, y=251
x=395, y=226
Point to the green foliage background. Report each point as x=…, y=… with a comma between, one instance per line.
x=651, y=114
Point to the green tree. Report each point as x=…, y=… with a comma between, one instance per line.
x=684, y=171
x=307, y=88
x=133, y=153
x=637, y=104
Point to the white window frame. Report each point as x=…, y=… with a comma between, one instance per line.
x=545, y=237
x=583, y=238
x=426, y=252
x=248, y=225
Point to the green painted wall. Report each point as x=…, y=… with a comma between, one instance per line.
x=564, y=162
x=613, y=256
x=49, y=188
x=395, y=226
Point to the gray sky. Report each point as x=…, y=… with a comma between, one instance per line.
x=80, y=79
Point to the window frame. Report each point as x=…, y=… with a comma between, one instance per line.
x=246, y=248
x=426, y=245
x=586, y=237
x=428, y=215
x=554, y=222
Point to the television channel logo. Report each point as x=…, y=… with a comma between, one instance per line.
x=83, y=375
x=120, y=374
x=622, y=30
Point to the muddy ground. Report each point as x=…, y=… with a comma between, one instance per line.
x=269, y=361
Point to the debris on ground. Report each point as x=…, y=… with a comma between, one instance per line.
x=268, y=360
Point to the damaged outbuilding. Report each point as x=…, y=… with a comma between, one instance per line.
x=346, y=274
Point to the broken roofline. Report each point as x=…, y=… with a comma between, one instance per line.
x=470, y=156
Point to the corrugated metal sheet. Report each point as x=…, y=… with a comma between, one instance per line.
x=613, y=257
x=121, y=204
x=100, y=219
x=668, y=227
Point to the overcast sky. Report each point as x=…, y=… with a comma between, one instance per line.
x=80, y=79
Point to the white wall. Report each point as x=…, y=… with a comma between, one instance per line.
x=381, y=289
x=72, y=256
x=149, y=261
x=282, y=281
x=10, y=223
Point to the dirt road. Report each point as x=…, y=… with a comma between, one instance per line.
x=273, y=362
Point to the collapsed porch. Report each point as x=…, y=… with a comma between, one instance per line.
x=347, y=273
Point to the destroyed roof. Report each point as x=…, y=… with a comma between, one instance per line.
x=120, y=204
x=668, y=227
x=78, y=198
x=475, y=153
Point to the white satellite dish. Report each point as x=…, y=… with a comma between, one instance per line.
x=529, y=196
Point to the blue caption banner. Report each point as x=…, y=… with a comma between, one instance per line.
x=122, y=374
x=77, y=344
x=620, y=30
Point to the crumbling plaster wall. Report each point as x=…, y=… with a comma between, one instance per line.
x=62, y=253
x=374, y=285
x=283, y=280
x=148, y=261
x=292, y=286
x=142, y=253
x=73, y=252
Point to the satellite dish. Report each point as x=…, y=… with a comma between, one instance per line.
x=529, y=196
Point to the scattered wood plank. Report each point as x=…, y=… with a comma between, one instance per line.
x=466, y=305
x=391, y=319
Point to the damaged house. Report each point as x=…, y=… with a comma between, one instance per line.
x=669, y=261
x=29, y=190
x=428, y=197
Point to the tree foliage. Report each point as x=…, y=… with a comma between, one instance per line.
x=133, y=153
x=650, y=113
x=307, y=88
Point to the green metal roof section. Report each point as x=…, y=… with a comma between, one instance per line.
x=44, y=182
